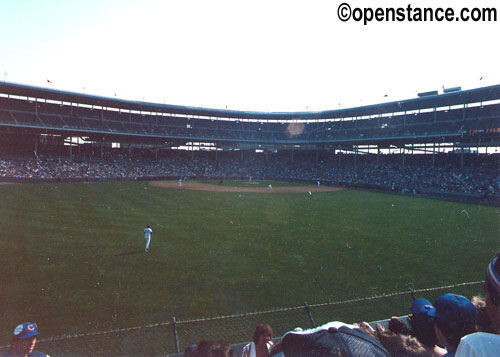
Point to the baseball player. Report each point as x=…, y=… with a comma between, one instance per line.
x=147, y=235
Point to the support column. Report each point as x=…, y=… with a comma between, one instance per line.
x=378, y=153
x=433, y=153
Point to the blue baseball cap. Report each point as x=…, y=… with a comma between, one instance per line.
x=422, y=324
x=421, y=306
x=453, y=311
x=25, y=330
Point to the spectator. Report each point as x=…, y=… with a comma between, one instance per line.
x=454, y=317
x=483, y=323
x=209, y=348
x=486, y=343
x=422, y=326
x=23, y=341
x=332, y=339
x=261, y=343
x=397, y=344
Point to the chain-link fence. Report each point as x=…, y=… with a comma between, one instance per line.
x=173, y=336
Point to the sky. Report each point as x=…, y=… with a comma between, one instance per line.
x=242, y=55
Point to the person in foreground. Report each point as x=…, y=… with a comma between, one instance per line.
x=332, y=339
x=23, y=341
x=454, y=317
x=486, y=343
x=422, y=326
x=398, y=344
x=261, y=343
x=209, y=348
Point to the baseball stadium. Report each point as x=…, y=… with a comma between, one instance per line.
x=286, y=218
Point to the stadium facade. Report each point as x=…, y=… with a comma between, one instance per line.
x=35, y=119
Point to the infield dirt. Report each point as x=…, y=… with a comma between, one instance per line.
x=193, y=185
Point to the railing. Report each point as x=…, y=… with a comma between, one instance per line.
x=174, y=336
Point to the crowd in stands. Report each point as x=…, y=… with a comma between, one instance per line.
x=416, y=176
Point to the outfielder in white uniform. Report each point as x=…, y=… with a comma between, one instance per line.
x=147, y=235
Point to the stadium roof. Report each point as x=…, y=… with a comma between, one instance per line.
x=441, y=100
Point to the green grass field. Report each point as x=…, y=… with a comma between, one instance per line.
x=72, y=256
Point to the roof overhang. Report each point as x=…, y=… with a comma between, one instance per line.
x=441, y=100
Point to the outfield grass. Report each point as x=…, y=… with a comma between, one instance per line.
x=72, y=254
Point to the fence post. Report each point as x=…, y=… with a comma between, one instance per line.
x=412, y=293
x=176, y=337
x=308, y=311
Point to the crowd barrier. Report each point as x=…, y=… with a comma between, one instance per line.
x=171, y=337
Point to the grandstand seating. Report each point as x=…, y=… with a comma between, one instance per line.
x=417, y=126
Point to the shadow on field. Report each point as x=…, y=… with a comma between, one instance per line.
x=140, y=251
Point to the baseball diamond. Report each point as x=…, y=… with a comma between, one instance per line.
x=278, y=214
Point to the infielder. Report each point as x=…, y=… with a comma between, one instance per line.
x=147, y=235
